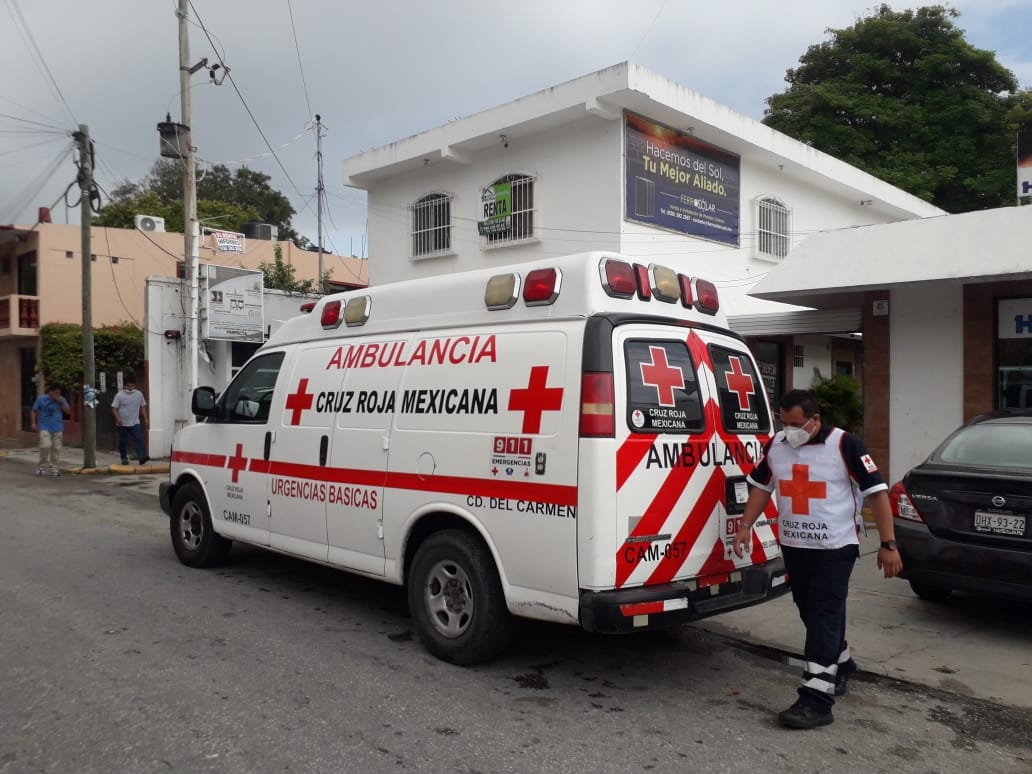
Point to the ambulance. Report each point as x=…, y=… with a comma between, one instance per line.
x=565, y=440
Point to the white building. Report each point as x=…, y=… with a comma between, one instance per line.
x=628, y=161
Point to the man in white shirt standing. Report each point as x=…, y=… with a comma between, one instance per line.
x=129, y=409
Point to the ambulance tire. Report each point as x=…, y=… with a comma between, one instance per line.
x=193, y=538
x=456, y=599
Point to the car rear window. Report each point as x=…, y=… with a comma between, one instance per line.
x=990, y=444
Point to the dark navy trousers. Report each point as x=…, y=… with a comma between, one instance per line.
x=819, y=580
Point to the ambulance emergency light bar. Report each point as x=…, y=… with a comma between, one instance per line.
x=541, y=287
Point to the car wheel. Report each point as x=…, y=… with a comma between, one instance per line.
x=931, y=593
x=193, y=538
x=456, y=599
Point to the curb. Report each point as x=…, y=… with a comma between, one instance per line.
x=123, y=470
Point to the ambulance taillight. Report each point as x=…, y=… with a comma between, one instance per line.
x=597, y=408
x=618, y=278
x=706, y=296
x=330, y=317
x=307, y=307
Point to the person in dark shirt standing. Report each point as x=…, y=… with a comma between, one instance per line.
x=48, y=413
x=821, y=476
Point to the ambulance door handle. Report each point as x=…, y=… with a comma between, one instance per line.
x=324, y=444
x=268, y=444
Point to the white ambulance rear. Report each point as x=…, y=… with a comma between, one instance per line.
x=565, y=440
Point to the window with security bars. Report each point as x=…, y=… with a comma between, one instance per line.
x=518, y=224
x=431, y=225
x=774, y=229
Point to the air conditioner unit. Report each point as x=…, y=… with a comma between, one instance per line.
x=150, y=223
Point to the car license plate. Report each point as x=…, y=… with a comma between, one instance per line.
x=999, y=523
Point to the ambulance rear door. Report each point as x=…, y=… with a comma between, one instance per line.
x=691, y=420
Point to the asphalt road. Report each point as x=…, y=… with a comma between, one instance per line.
x=116, y=658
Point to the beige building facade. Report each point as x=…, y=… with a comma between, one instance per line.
x=41, y=283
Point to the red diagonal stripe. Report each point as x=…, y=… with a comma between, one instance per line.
x=692, y=527
x=632, y=451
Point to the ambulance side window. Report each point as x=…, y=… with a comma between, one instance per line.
x=248, y=398
x=662, y=390
x=740, y=391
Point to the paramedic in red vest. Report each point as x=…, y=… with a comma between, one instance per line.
x=821, y=476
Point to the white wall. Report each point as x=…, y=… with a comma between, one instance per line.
x=577, y=201
x=925, y=349
x=816, y=354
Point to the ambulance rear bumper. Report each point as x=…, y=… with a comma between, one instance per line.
x=670, y=604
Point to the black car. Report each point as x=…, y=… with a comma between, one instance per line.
x=963, y=517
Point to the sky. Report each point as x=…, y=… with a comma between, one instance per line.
x=376, y=72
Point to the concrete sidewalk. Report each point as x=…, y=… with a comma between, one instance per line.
x=969, y=645
x=107, y=462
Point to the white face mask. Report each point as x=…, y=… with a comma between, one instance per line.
x=797, y=436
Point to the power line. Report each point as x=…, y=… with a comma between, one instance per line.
x=308, y=102
x=34, y=187
x=25, y=32
x=647, y=30
x=254, y=120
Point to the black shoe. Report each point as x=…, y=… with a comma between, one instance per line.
x=804, y=716
x=845, y=671
x=145, y=460
x=125, y=461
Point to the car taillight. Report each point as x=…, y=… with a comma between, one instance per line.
x=597, y=412
x=902, y=506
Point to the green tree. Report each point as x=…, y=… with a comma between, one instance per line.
x=115, y=348
x=903, y=96
x=235, y=198
x=841, y=401
x=279, y=275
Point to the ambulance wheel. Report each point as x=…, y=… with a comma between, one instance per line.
x=456, y=599
x=193, y=538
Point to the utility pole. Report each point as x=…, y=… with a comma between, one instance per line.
x=319, y=188
x=190, y=236
x=89, y=367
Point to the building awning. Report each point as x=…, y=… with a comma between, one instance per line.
x=832, y=269
x=797, y=323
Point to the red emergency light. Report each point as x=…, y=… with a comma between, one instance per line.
x=541, y=287
x=620, y=279
x=330, y=317
x=641, y=275
x=706, y=296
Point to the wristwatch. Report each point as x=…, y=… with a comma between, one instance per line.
x=889, y=544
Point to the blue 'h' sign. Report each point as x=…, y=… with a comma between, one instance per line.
x=1023, y=324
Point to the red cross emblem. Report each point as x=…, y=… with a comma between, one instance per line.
x=535, y=399
x=740, y=383
x=299, y=401
x=801, y=489
x=661, y=375
x=237, y=462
